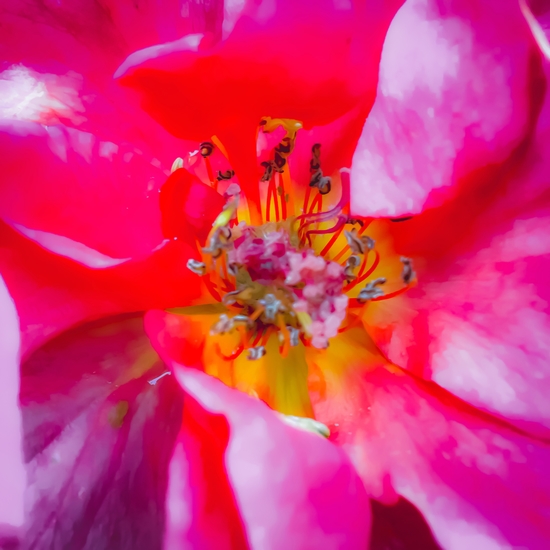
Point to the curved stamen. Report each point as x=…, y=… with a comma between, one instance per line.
x=363, y=277
x=336, y=227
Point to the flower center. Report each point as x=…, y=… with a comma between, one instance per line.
x=295, y=276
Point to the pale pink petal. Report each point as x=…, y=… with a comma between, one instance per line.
x=477, y=323
x=459, y=86
x=479, y=482
x=12, y=472
x=99, y=427
x=292, y=489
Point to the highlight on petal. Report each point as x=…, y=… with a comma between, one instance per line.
x=12, y=471
x=291, y=488
x=458, y=97
x=98, y=438
x=539, y=31
x=70, y=249
x=478, y=481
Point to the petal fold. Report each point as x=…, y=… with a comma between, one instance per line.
x=291, y=488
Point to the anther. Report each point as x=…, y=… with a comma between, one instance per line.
x=285, y=147
x=199, y=268
x=294, y=336
x=233, y=269
x=227, y=175
x=324, y=185
x=372, y=290
x=279, y=163
x=242, y=320
x=355, y=221
x=223, y=325
x=268, y=170
x=351, y=264
x=358, y=244
x=253, y=354
x=408, y=273
x=272, y=306
x=206, y=148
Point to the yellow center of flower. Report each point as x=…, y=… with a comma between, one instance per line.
x=295, y=281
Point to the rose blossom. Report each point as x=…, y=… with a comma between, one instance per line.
x=99, y=411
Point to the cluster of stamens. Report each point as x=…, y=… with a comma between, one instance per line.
x=269, y=277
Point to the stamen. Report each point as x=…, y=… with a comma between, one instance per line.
x=285, y=336
x=269, y=277
x=408, y=273
x=363, y=276
x=255, y=353
x=391, y=294
x=371, y=290
x=206, y=149
x=339, y=224
x=227, y=175
x=358, y=244
x=224, y=325
x=232, y=356
x=351, y=264
x=199, y=268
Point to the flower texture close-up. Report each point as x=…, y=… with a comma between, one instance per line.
x=275, y=274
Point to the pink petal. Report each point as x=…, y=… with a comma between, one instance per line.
x=456, y=96
x=478, y=319
x=99, y=428
x=479, y=482
x=12, y=472
x=291, y=488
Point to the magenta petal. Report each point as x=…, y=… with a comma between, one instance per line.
x=99, y=427
x=455, y=98
x=12, y=471
x=479, y=482
x=477, y=323
x=292, y=488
